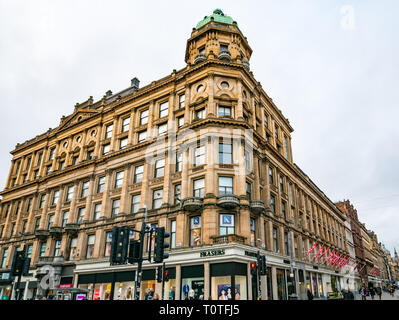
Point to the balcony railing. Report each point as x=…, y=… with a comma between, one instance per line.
x=192, y=204
x=41, y=234
x=224, y=55
x=257, y=206
x=50, y=260
x=56, y=231
x=228, y=239
x=230, y=201
x=199, y=58
x=71, y=228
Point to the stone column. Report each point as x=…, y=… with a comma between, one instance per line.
x=270, y=235
x=125, y=204
x=211, y=103
x=187, y=101
x=130, y=138
x=105, y=201
x=82, y=149
x=146, y=195
x=58, y=214
x=72, y=208
x=99, y=244
x=274, y=283
x=43, y=216
x=31, y=214
x=210, y=176
x=97, y=148
x=207, y=277
x=209, y=224
x=151, y=132
x=239, y=112
x=178, y=282
x=181, y=219
x=89, y=201
x=261, y=231
x=185, y=182
x=166, y=182
x=113, y=142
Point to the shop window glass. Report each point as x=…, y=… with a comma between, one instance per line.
x=195, y=231
x=192, y=288
x=226, y=224
x=281, y=285
x=124, y=290
x=108, y=242
x=221, y=288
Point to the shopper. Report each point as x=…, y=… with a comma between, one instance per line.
x=310, y=295
x=379, y=292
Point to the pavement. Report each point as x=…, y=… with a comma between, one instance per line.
x=384, y=296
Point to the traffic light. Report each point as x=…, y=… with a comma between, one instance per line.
x=17, y=263
x=25, y=268
x=160, y=244
x=159, y=274
x=119, y=245
x=166, y=276
x=134, y=251
x=263, y=266
x=253, y=269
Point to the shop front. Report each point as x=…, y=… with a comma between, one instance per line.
x=109, y=285
x=192, y=282
x=148, y=283
x=229, y=281
x=5, y=287
x=170, y=286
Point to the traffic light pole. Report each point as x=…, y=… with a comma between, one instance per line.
x=163, y=280
x=259, y=277
x=17, y=289
x=137, y=283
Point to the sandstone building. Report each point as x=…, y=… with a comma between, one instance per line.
x=206, y=153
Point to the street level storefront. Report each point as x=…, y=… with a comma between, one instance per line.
x=219, y=272
x=5, y=286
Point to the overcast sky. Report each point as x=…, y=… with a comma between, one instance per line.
x=330, y=66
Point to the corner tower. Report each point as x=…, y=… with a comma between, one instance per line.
x=217, y=37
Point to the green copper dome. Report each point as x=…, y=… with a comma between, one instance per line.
x=218, y=16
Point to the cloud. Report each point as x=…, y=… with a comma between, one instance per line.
x=337, y=86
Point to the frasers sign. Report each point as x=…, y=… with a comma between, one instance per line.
x=211, y=253
x=328, y=257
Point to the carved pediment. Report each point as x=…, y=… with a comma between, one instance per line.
x=76, y=117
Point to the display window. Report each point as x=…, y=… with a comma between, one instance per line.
x=170, y=290
x=290, y=282
x=195, y=231
x=269, y=283
x=321, y=292
x=192, y=288
x=102, y=291
x=221, y=288
x=147, y=289
x=90, y=289
x=124, y=290
x=314, y=285
x=108, y=243
x=226, y=224
x=240, y=288
x=281, y=284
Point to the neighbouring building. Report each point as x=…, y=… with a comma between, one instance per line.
x=208, y=153
x=355, y=225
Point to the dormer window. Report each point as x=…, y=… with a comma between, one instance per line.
x=201, y=50
x=223, y=47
